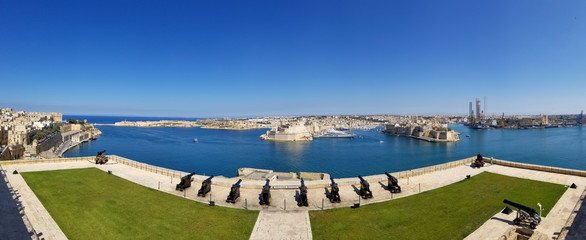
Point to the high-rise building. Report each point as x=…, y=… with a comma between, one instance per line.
x=478, y=116
x=470, y=112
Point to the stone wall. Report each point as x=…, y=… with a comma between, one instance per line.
x=50, y=142
x=3, y=136
x=536, y=167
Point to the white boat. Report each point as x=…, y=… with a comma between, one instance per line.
x=195, y=140
x=333, y=133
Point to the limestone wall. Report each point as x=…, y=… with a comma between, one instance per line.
x=536, y=167
x=49, y=142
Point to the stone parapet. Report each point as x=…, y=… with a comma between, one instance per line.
x=536, y=167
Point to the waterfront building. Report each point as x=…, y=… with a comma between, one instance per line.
x=26, y=134
x=288, y=132
x=424, y=130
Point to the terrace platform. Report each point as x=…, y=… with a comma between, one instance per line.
x=283, y=204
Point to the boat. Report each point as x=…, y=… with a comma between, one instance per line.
x=195, y=140
x=333, y=133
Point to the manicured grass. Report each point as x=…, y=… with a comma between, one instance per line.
x=91, y=204
x=450, y=212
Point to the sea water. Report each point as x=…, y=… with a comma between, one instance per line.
x=222, y=152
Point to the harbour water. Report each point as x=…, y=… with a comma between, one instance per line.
x=222, y=152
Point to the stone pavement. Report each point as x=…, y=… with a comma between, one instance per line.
x=273, y=224
x=576, y=228
x=12, y=224
x=284, y=219
x=38, y=216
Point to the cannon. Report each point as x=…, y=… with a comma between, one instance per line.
x=234, y=192
x=364, y=189
x=302, y=195
x=185, y=182
x=265, y=195
x=206, y=187
x=479, y=162
x=525, y=214
x=101, y=157
x=335, y=192
x=393, y=183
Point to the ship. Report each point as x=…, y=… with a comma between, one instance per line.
x=335, y=133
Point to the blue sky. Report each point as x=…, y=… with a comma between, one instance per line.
x=258, y=58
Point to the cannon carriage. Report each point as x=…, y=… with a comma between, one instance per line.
x=525, y=214
x=206, y=187
x=364, y=188
x=302, y=195
x=479, y=161
x=393, y=183
x=185, y=182
x=234, y=192
x=334, y=192
x=265, y=195
x=101, y=157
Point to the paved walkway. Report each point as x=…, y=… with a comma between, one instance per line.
x=12, y=225
x=576, y=225
x=284, y=219
x=282, y=225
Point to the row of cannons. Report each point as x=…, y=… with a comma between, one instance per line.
x=265, y=195
x=365, y=192
x=525, y=214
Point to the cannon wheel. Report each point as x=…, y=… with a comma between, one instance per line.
x=532, y=225
x=517, y=221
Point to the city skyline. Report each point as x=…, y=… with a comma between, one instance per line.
x=268, y=58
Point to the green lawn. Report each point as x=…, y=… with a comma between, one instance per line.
x=450, y=212
x=91, y=204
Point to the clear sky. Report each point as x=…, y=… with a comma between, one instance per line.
x=257, y=58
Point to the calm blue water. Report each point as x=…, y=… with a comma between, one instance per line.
x=222, y=152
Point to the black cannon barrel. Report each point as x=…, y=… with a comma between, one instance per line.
x=393, y=179
x=188, y=176
x=333, y=182
x=267, y=184
x=209, y=179
x=302, y=183
x=529, y=210
x=361, y=179
x=237, y=184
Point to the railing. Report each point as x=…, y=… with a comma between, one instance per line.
x=29, y=227
x=147, y=167
x=401, y=174
x=434, y=168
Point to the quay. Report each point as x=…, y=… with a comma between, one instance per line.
x=284, y=217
